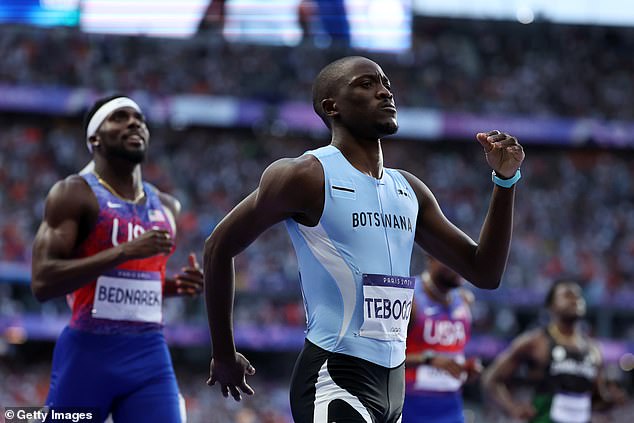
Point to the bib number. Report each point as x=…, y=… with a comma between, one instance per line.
x=571, y=408
x=387, y=304
x=130, y=295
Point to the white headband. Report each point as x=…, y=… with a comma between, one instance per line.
x=103, y=112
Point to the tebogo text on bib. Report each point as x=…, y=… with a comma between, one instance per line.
x=387, y=304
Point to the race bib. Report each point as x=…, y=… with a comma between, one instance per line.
x=129, y=295
x=429, y=378
x=571, y=408
x=387, y=304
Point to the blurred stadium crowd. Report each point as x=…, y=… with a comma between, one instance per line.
x=468, y=65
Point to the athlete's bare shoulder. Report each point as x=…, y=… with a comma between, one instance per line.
x=534, y=335
x=169, y=201
x=70, y=197
x=72, y=183
x=305, y=168
x=295, y=185
x=467, y=296
x=595, y=349
x=533, y=344
x=293, y=174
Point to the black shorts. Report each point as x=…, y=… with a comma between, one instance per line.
x=330, y=387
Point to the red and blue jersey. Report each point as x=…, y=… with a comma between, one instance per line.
x=442, y=329
x=128, y=298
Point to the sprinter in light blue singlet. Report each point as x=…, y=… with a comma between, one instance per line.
x=354, y=264
x=353, y=224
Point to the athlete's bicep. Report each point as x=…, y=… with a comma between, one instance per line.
x=243, y=224
x=508, y=362
x=58, y=232
x=436, y=234
x=283, y=193
x=55, y=241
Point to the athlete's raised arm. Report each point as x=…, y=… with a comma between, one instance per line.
x=289, y=188
x=482, y=263
x=70, y=212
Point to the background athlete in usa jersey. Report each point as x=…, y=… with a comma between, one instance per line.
x=102, y=225
x=439, y=330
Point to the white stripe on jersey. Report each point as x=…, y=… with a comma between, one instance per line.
x=326, y=253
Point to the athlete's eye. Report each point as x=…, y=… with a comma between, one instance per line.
x=118, y=116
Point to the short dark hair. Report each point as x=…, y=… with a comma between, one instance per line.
x=550, y=295
x=97, y=104
x=325, y=84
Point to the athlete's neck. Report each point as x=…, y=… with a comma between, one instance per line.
x=566, y=327
x=565, y=332
x=365, y=155
x=124, y=178
x=437, y=292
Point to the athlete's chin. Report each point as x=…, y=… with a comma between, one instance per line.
x=133, y=156
x=388, y=128
x=137, y=158
x=572, y=317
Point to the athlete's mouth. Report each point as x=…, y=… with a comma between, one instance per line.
x=134, y=138
x=389, y=106
x=390, y=109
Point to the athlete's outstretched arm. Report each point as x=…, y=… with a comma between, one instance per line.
x=496, y=377
x=70, y=206
x=480, y=263
x=289, y=188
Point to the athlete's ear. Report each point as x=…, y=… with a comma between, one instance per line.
x=329, y=107
x=94, y=140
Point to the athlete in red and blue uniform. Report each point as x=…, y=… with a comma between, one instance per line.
x=435, y=367
x=104, y=243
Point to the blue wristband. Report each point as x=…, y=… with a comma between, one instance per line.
x=506, y=183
